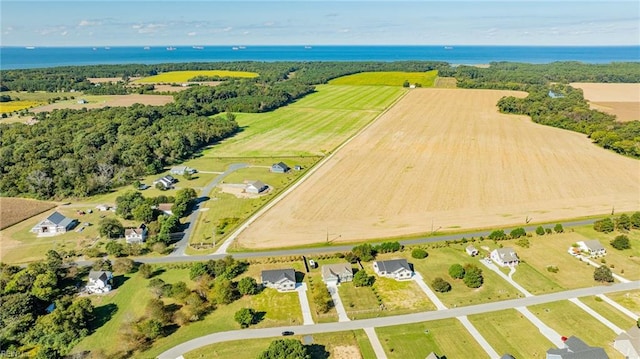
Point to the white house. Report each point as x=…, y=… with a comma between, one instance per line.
x=628, y=343
x=103, y=207
x=256, y=187
x=136, y=235
x=334, y=274
x=471, y=250
x=54, y=224
x=397, y=269
x=505, y=257
x=281, y=279
x=593, y=247
x=166, y=181
x=181, y=170
x=99, y=281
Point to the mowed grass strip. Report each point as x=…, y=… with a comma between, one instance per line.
x=508, y=331
x=391, y=78
x=444, y=337
x=568, y=319
x=313, y=125
x=609, y=312
x=184, y=76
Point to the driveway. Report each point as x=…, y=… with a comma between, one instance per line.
x=478, y=337
x=495, y=268
x=337, y=302
x=375, y=343
x=596, y=315
x=301, y=288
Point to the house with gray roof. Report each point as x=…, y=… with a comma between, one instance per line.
x=397, y=269
x=281, y=279
x=628, y=343
x=505, y=257
x=574, y=348
x=182, y=170
x=280, y=167
x=54, y=224
x=593, y=247
x=256, y=187
x=136, y=235
x=334, y=274
x=99, y=281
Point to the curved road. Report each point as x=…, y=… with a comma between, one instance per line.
x=193, y=344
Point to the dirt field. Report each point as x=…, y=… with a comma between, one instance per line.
x=15, y=210
x=100, y=80
x=171, y=88
x=111, y=100
x=622, y=100
x=446, y=159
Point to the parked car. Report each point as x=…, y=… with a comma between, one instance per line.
x=312, y=263
x=287, y=333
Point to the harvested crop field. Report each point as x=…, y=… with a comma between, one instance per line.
x=622, y=100
x=16, y=210
x=184, y=76
x=108, y=101
x=445, y=158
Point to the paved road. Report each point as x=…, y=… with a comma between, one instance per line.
x=394, y=320
x=307, y=318
x=181, y=245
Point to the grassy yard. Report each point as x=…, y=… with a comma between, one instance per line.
x=508, y=331
x=609, y=312
x=402, y=296
x=568, y=319
x=444, y=337
x=626, y=262
x=395, y=78
x=359, y=302
x=338, y=345
x=314, y=279
x=630, y=300
x=184, y=76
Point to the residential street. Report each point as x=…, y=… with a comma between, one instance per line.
x=394, y=320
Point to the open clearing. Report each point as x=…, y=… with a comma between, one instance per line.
x=394, y=78
x=445, y=158
x=15, y=210
x=622, y=100
x=107, y=101
x=185, y=76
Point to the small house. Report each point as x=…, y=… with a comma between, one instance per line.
x=82, y=101
x=593, y=247
x=99, y=281
x=280, y=167
x=281, y=279
x=165, y=208
x=432, y=355
x=256, y=187
x=166, y=181
x=334, y=274
x=297, y=167
x=182, y=170
x=628, y=343
x=471, y=250
x=54, y=224
x=397, y=269
x=576, y=348
x=505, y=257
x=136, y=235
x=103, y=207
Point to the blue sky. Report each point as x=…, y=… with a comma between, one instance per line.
x=334, y=22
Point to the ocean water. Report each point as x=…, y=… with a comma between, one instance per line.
x=38, y=57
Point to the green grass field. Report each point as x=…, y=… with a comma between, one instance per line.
x=608, y=311
x=444, y=337
x=630, y=300
x=568, y=319
x=395, y=78
x=624, y=262
x=508, y=331
x=184, y=76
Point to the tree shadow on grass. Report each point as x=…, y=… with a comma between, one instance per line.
x=102, y=315
x=258, y=317
x=318, y=351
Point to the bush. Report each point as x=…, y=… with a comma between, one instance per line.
x=517, y=233
x=362, y=279
x=548, y=231
x=123, y=266
x=604, y=225
x=498, y=235
x=145, y=270
x=623, y=223
x=603, y=274
x=473, y=276
x=364, y=252
x=245, y=317
x=456, y=271
x=558, y=228
x=621, y=242
x=635, y=220
x=419, y=253
x=540, y=231
x=440, y=285
x=553, y=269
x=523, y=242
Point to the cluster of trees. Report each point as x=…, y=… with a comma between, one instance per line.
x=621, y=242
x=470, y=274
x=623, y=223
x=285, y=349
x=26, y=325
x=362, y=279
x=366, y=252
x=603, y=274
x=77, y=153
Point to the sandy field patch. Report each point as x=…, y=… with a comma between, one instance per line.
x=620, y=99
x=443, y=159
x=110, y=101
x=346, y=352
x=171, y=88
x=101, y=80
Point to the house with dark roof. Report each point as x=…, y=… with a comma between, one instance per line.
x=334, y=274
x=281, y=279
x=574, y=348
x=136, y=235
x=397, y=269
x=256, y=187
x=628, y=343
x=505, y=257
x=100, y=281
x=280, y=167
x=593, y=247
x=54, y=224
x=166, y=182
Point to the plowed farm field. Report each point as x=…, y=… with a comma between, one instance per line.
x=622, y=100
x=444, y=159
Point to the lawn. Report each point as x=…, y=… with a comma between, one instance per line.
x=279, y=308
x=625, y=262
x=359, y=302
x=568, y=319
x=402, y=296
x=444, y=337
x=437, y=265
x=314, y=279
x=314, y=125
x=184, y=76
x=395, y=78
x=508, y=331
x=609, y=312
x=630, y=300
x=336, y=344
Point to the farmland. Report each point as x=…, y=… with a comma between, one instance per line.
x=107, y=101
x=184, y=76
x=15, y=210
x=620, y=99
x=397, y=78
x=445, y=158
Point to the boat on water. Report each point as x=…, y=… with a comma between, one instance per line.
x=30, y=47
x=107, y=48
x=171, y=48
x=146, y=48
x=198, y=47
x=242, y=47
x=308, y=47
x=235, y=48
x=448, y=47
